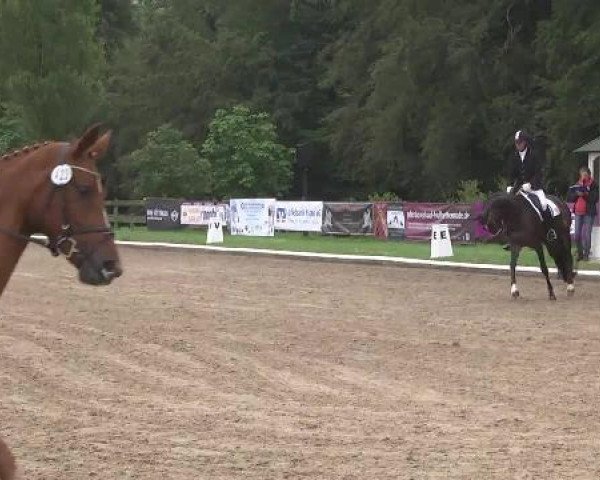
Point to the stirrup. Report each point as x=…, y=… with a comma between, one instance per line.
x=551, y=235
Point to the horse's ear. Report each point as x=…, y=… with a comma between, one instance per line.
x=91, y=145
x=100, y=146
x=87, y=140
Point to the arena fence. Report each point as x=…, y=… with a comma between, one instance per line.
x=264, y=217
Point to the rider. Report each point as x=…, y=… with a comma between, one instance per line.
x=526, y=174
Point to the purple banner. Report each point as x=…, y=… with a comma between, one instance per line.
x=421, y=216
x=479, y=232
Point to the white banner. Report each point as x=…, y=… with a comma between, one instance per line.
x=202, y=214
x=252, y=217
x=299, y=216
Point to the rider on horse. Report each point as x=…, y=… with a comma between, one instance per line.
x=526, y=175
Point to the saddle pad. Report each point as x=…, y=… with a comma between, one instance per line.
x=553, y=207
x=535, y=203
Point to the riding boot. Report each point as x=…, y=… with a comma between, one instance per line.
x=550, y=226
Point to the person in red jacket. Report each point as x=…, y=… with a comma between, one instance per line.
x=585, y=196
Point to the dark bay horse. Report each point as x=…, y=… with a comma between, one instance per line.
x=55, y=189
x=512, y=218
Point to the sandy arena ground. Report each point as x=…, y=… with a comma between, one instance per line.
x=203, y=366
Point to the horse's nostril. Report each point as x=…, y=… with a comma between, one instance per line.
x=111, y=269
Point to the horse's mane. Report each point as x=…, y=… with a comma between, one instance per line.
x=24, y=150
x=504, y=202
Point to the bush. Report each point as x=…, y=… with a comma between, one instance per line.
x=384, y=197
x=469, y=192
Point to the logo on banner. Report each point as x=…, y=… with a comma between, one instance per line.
x=281, y=215
x=174, y=215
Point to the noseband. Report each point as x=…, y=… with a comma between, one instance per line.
x=500, y=230
x=65, y=243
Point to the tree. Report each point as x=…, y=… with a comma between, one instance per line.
x=406, y=96
x=568, y=45
x=116, y=24
x=13, y=133
x=50, y=64
x=245, y=156
x=168, y=166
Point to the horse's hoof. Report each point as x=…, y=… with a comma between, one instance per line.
x=515, y=294
x=570, y=291
x=552, y=297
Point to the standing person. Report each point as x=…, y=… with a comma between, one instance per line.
x=585, y=195
x=526, y=174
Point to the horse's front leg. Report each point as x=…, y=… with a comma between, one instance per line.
x=540, y=253
x=514, y=258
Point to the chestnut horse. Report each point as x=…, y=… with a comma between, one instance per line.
x=55, y=189
x=7, y=463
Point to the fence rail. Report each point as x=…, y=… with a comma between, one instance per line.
x=126, y=212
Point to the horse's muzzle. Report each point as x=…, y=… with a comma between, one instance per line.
x=99, y=273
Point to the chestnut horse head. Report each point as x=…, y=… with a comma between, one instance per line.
x=55, y=189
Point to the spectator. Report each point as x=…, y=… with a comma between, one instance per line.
x=585, y=195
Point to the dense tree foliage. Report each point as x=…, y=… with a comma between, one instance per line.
x=51, y=64
x=245, y=157
x=412, y=97
x=167, y=166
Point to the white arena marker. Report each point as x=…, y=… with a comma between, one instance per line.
x=215, y=233
x=61, y=175
x=441, y=245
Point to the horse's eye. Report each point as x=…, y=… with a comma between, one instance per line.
x=84, y=189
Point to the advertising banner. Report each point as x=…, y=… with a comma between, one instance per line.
x=163, y=213
x=421, y=216
x=201, y=214
x=299, y=216
x=348, y=218
x=252, y=217
x=396, y=223
x=479, y=231
x=380, y=226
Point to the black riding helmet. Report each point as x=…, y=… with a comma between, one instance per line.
x=522, y=137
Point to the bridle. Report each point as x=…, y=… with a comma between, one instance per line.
x=499, y=232
x=66, y=242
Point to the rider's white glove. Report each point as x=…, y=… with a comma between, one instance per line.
x=509, y=189
x=526, y=187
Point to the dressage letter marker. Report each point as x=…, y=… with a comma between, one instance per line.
x=61, y=175
x=441, y=245
x=215, y=233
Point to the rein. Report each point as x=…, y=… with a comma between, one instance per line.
x=66, y=242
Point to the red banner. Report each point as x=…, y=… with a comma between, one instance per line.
x=380, y=227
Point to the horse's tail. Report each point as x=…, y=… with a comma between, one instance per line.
x=7, y=463
x=565, y=211
x=561, y=251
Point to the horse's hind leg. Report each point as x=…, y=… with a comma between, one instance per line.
x=514, y=258
x=540, y=253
